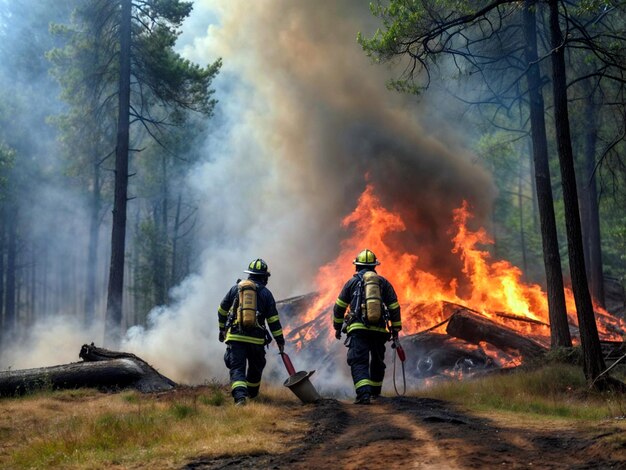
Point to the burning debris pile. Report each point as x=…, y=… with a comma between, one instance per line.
x=465, y=342
x=486, y=317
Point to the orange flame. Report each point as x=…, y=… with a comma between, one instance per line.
x=496, y=287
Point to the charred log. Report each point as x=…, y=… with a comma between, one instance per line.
x=101, y=369
x=475, y=329
x=430, y=354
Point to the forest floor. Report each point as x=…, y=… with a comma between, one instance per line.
x=513, y=421
x=408, y=432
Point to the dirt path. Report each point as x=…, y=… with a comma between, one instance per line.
x=424, y=433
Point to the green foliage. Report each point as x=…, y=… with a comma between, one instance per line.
x=182, y=410
x=217, y=398
x=564, y=356
x=422, y=32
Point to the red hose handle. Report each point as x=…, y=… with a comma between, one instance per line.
x=288, y=365
x=399, y=349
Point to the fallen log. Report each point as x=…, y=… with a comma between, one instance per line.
x=101, y=369
x=475, y=328
x=150, y=381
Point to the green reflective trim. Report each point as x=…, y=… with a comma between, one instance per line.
x=244, y=339
x=277, y=333
x=221, y=311
x=222, y=325
x=396, y=323
x=238, y=383
x=376, y=384
x=337, y=320
x=341, y=303
x=394, y=306
x=272, y=319
x=361, y=383
x=250, y=384
x=361, y=326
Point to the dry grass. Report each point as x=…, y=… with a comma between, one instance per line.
x=552, y=391
x=87, y=429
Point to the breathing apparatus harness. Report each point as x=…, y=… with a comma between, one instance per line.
x=235, y=315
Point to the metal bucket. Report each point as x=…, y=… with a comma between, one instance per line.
x=300, y=385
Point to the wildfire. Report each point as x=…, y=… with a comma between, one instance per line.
x=496, y=289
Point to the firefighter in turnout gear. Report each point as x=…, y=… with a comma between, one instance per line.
x=242, y=316
x=373, y=319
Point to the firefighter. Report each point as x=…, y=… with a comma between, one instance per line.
x=373, y=319
x=242, y=316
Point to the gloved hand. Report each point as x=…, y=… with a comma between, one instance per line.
x=281, y=348
x=394, y=333
x=338, y=334
x=222, y=336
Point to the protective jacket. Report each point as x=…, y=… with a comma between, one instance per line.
x=350, y=296
x=266, y=307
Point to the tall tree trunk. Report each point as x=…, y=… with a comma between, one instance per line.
x=590, y=199
x=162, y=229
x=592, y=353
x=118, y=232
x=11, y=274
x=3, y=226
x=45, y=287
x=559, y=329
x=33, y=287
x=520, y=202
x=533, y=187
x=92, y=250
x=175, y=235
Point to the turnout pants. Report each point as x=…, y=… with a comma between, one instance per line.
x=245, y=362
x=366, y=358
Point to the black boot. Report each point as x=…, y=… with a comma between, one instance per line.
x=363, y=399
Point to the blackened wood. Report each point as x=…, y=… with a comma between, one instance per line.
x=475, y=329
x=113, y=373
x=101, y=368
x=150, y=381
x=435, y=353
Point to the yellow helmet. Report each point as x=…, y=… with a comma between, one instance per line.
x=366, y=258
